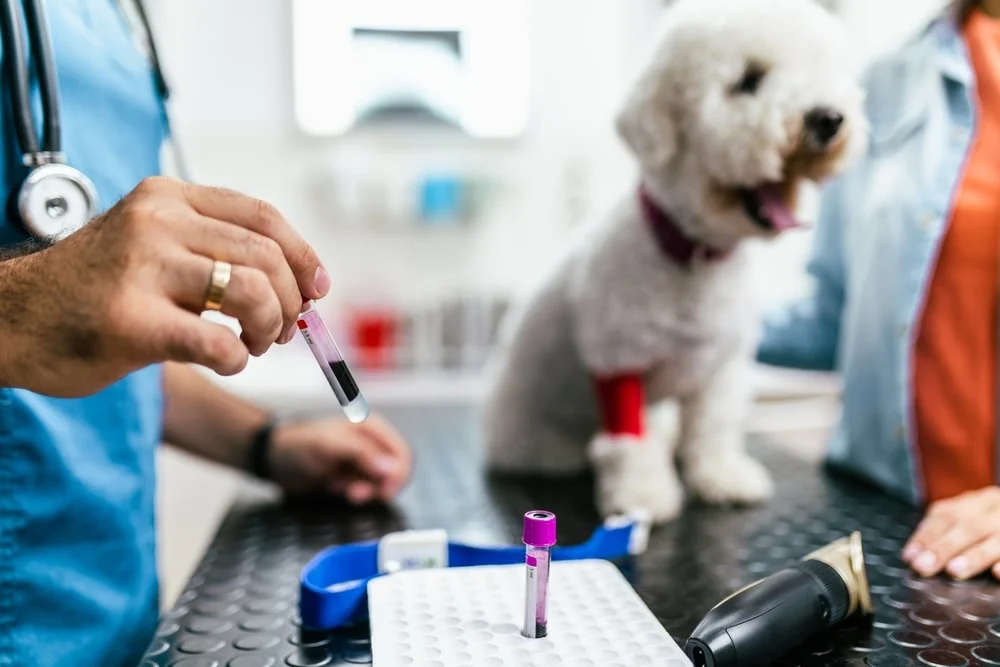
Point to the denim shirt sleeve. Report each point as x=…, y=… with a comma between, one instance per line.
x=805, y=334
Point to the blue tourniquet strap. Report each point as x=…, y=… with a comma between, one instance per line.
x=334, y=584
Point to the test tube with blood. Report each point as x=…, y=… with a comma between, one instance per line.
x=332, y=363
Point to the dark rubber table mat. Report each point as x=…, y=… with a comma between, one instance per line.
x=239, y=608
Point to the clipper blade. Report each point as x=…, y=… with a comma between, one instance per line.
x=847, y=557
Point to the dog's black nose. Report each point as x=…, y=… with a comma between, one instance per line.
x=823, y=124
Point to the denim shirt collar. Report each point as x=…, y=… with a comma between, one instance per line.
x=951, y=54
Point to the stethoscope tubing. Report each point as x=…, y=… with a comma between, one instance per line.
x=16, y=69
x=42, y=54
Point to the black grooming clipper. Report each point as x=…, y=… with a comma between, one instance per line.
x=764, y=621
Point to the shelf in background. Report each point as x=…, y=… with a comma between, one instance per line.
x=283, y=378
x=290, y=380
x=443, y=231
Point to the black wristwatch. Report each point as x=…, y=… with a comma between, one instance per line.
x=260, y=451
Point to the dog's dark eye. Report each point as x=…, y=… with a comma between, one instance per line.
x=750, y=81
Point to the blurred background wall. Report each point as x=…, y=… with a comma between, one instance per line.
x=430, y=223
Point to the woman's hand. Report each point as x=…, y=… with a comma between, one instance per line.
x=960, y=536
x=361, y=462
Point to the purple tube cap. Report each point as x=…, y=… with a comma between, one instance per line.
x=539, y=528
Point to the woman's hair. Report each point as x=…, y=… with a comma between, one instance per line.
x=963, y=8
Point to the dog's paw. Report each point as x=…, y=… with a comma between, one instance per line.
x=739, y=479
x=633, y=474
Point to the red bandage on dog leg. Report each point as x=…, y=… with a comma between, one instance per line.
x=621, y=402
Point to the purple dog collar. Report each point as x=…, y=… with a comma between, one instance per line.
x=672, y=241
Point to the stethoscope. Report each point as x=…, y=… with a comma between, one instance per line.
x=55, y=199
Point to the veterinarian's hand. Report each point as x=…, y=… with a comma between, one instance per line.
x=361, y=462
x=959, y=536
x=148, y=261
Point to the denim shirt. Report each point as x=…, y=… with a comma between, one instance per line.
x=879, y=228
x=78, y=582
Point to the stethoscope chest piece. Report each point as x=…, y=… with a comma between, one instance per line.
x=56, y=200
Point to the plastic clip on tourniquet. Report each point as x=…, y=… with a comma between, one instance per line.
x=333, y=588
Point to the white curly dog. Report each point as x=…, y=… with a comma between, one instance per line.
x=740, y=102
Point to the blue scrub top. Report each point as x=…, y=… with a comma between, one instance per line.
x=78, y=583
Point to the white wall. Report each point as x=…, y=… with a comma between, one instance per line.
x=229, y=62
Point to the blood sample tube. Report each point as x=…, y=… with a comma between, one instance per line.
x=539, y=534
x=332, y=363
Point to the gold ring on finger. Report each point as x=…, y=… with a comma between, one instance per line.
x=222, y=272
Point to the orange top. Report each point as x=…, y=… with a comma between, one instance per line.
x=955, y=359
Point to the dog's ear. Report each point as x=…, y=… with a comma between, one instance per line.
x=645, y=125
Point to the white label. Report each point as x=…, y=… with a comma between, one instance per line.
x=531, y=601
x=413, y=550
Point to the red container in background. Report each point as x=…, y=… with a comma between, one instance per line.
x=374, y=333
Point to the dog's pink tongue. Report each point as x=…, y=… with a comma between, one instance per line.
x=771, y=198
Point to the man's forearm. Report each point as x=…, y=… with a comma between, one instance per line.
x=15, y=291
x=205, y=420
x=26, y=335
